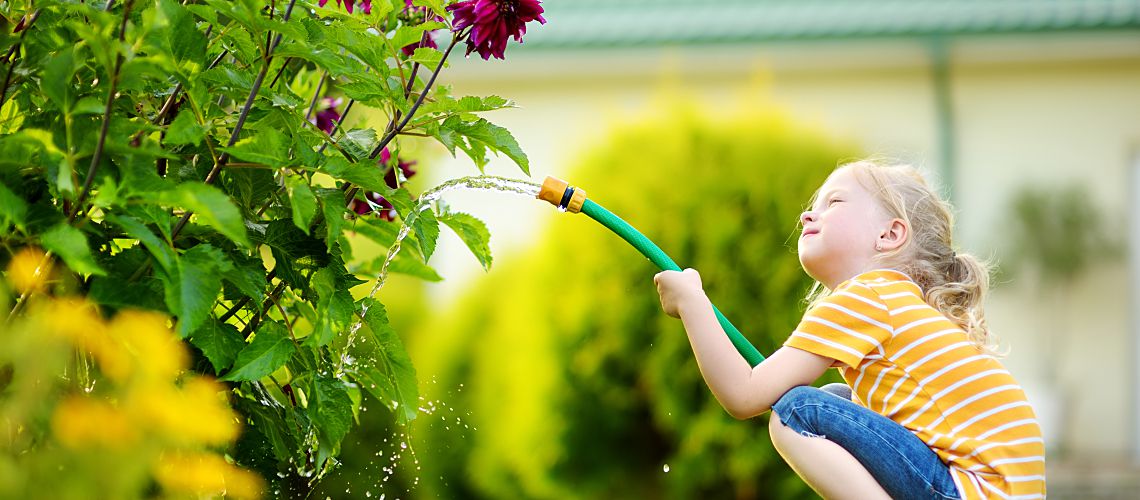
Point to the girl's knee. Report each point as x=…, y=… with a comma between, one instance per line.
x=796, y=397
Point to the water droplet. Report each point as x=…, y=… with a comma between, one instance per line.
x=665, y=468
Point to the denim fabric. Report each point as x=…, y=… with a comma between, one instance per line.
x=902, y=464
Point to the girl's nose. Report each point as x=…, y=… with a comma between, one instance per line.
x=808, y=216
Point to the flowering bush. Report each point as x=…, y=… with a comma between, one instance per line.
x=128, y=396
x=193, y=159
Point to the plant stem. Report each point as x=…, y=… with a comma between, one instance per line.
x=420, y=100
x=43, y=268
x=114, y=84
x=252, y=325
x=221, y=161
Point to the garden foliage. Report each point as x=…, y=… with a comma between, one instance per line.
x=167, y=156
x=577, y=383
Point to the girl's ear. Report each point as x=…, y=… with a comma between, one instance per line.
x=894, y=236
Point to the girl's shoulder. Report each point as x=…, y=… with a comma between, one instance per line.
x=883, y=282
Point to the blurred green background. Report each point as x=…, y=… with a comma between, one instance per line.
x=707, y=125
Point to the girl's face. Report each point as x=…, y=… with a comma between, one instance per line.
x=841, y=230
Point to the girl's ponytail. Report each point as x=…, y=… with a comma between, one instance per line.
x=959, y=296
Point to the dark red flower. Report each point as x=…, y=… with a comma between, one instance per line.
x=493, y=22
x=390, y=174
x=328, y=115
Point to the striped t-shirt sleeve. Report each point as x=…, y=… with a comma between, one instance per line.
x=848, y=325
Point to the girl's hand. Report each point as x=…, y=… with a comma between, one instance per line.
x=678, y=289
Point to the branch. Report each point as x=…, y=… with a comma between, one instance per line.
x=12, y=53
x=221, y=162
x=420, y=100
x=98, y=155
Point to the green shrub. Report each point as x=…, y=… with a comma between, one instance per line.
x=576, y=384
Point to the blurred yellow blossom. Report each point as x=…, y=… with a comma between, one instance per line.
x=161, y=355
x=28, y=271
x=136, y=403
x=207, y=474
x=165, y=409
x=82, y=421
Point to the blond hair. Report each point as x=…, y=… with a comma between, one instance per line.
x=953, y=283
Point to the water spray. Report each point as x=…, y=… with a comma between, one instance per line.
x=573, y=200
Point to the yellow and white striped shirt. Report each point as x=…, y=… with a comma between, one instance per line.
x=905, y=360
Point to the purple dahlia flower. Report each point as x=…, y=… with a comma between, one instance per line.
x=328, y=115
x=493, y=22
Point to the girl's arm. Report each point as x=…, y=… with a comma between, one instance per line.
x=742, y=390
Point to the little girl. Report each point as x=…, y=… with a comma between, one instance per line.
x=927, y=411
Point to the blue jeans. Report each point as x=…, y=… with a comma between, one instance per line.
x=902, y=464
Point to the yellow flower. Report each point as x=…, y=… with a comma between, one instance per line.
x=160, y=355
x=80, y=422
x=193, y=414
x=29, y=270
x=207, y=474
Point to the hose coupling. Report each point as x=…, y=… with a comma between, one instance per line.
x=562, y=195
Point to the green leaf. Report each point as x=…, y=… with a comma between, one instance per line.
x=248, y=275
x=245, y=12
x=294, y=250
x=366, y=175
x=116, y=292
x=473, y=233
x=436, y=6
x=466, y=104
x=271, y=349
x=282, y=428
x=185, y=130
x=330, y=408
x=13, y=209
x=56, y=83
x=367, y=88
x=407, y=35
x=369, y=48
x=212, y=207
x=427, y=56
x=220, y=342
x=333, y=208
x=426, y=227
x=89, y=105
x=185, y=41
x=482, y=134
x=336, y=64
x=359, y=143
x=205, y=12
x=192, y=293
x=266, y=146
x=11, y=118
x=162, y=253
x=302, y=201
x=334, y=304
x=381, y=364
x=70, y=244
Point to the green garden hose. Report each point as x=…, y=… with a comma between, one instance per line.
x=573, y=200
